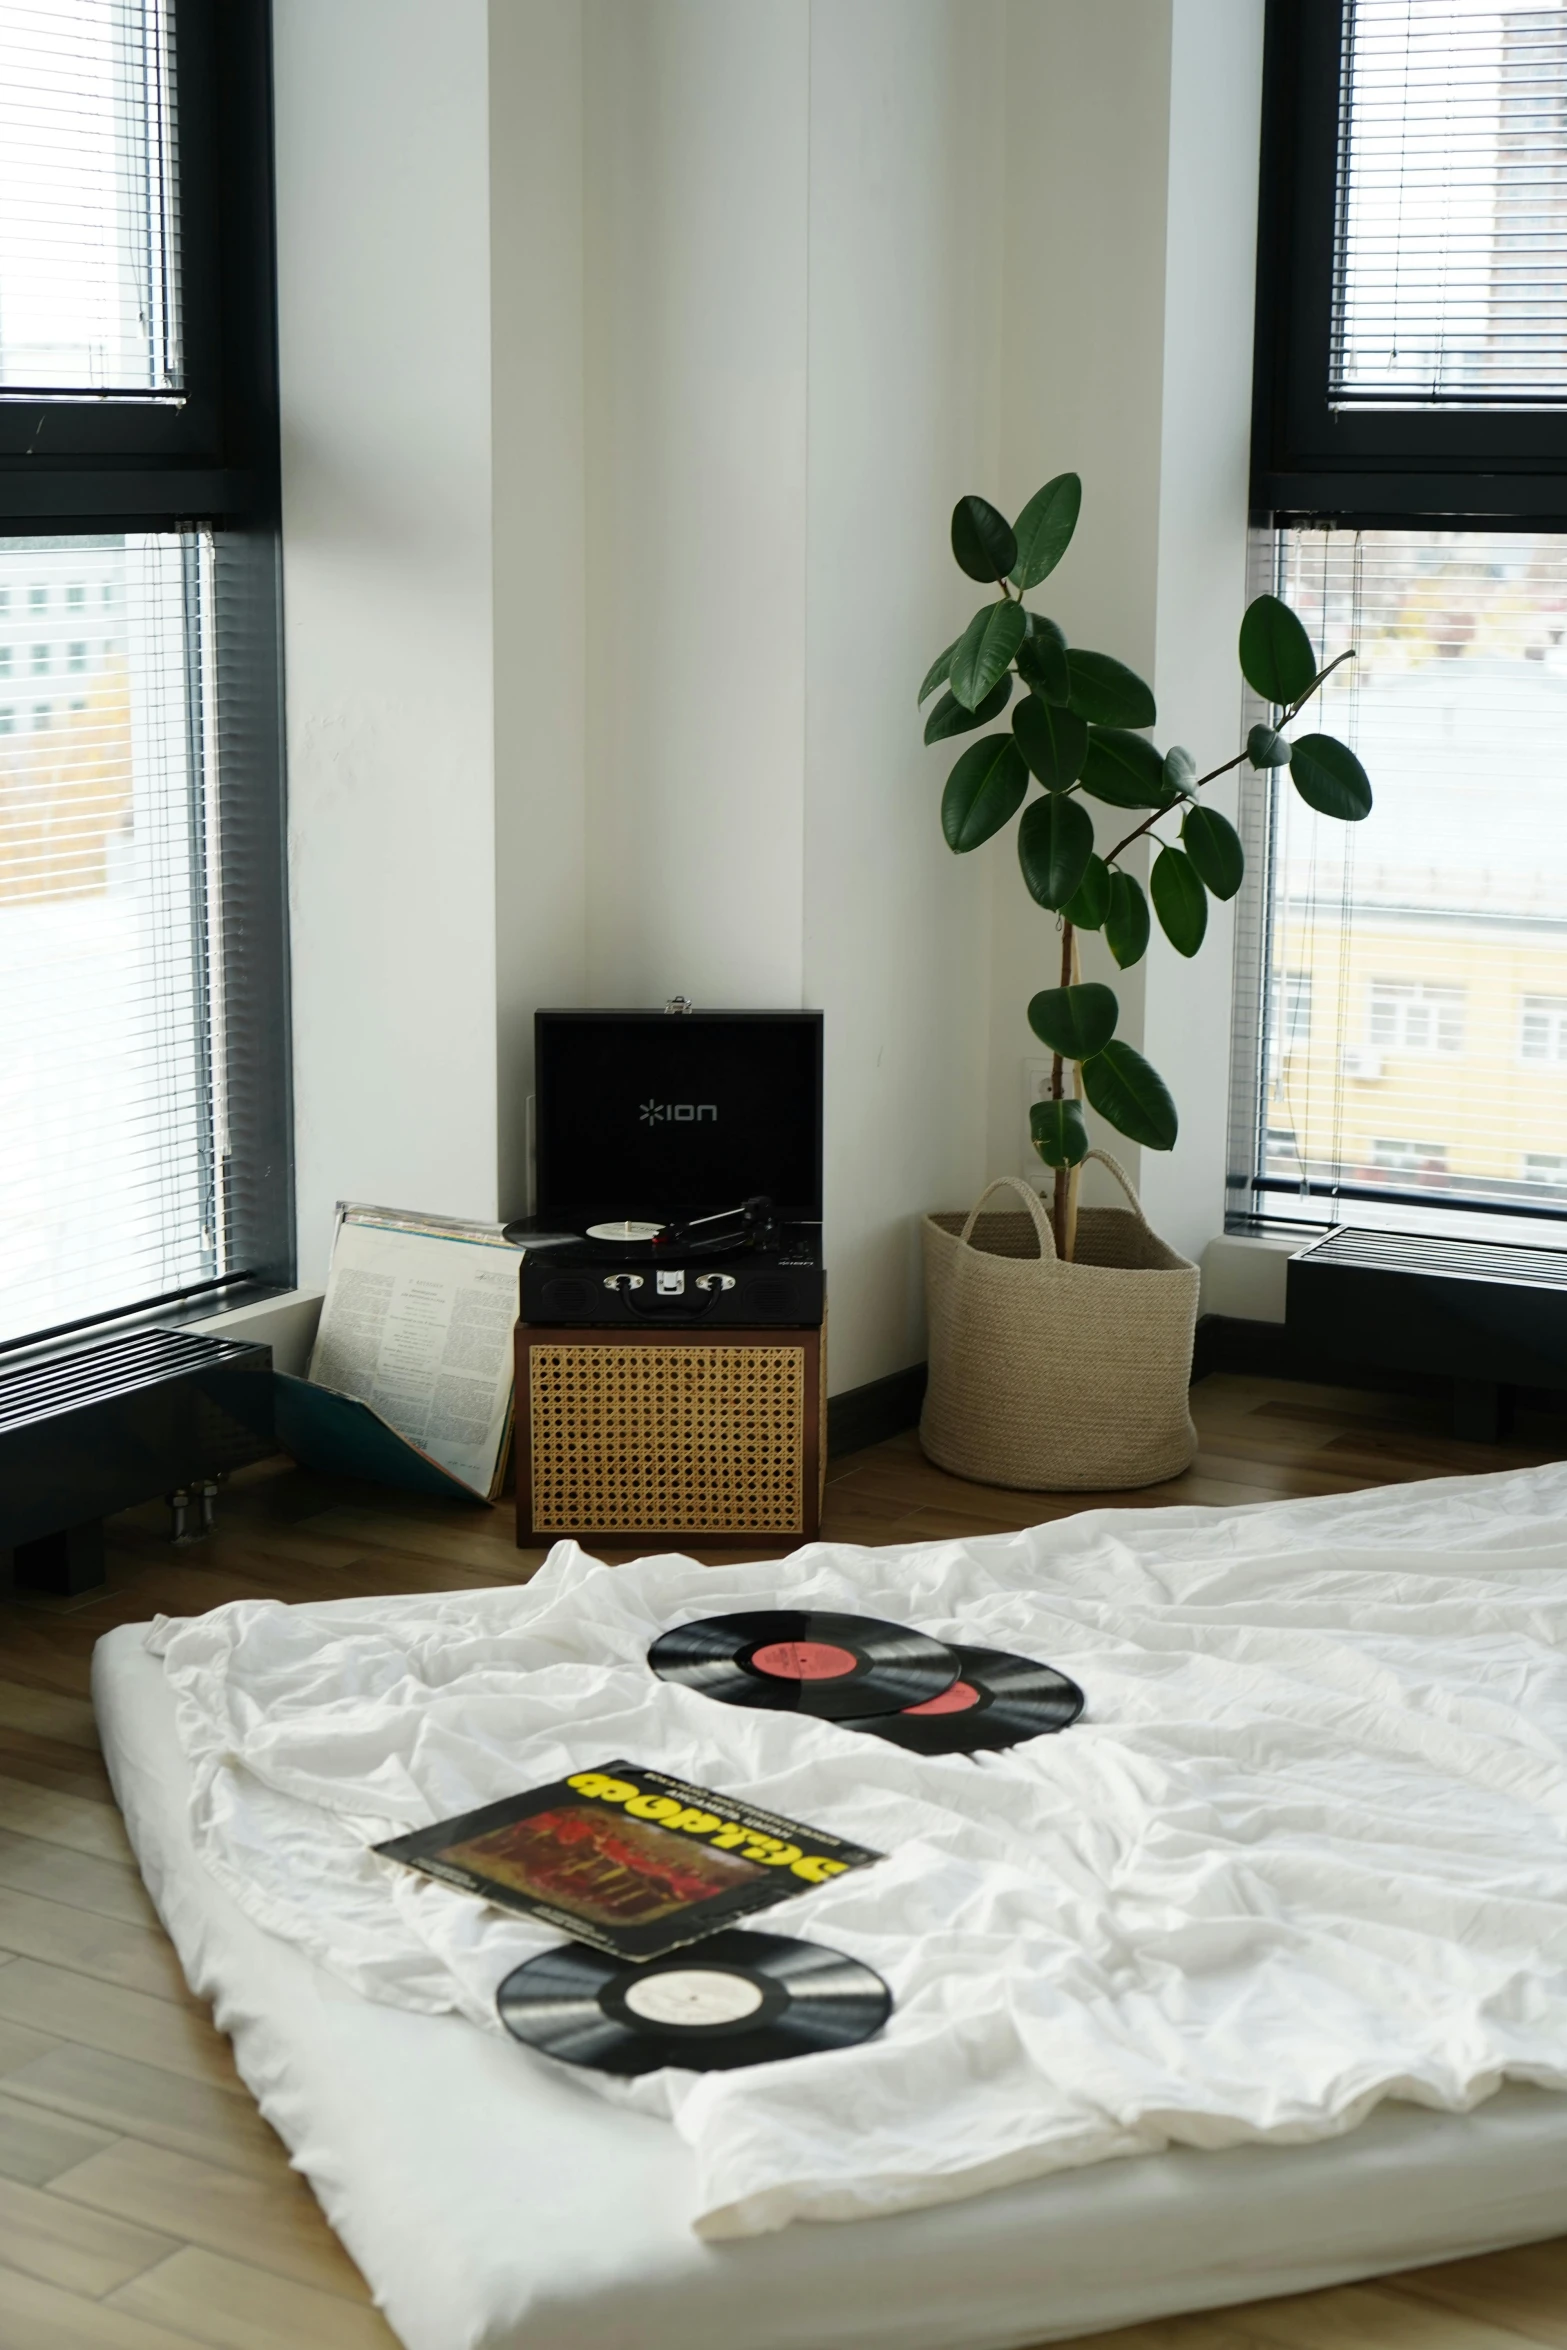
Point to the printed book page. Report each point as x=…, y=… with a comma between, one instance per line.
x=417, y=1323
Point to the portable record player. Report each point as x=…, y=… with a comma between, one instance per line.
x=679, y=1169
x=671, y=1356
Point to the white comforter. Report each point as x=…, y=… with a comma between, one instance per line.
x=1307, y=1848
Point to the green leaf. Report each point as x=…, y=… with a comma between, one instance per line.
x=1044, y=529
x=936, y=674
x=982, y=539
x=984, y=651
x=1214, y=847
x=1330, y=778
x=983, y=792
x=1060, y=1136
x=1106, y=691
x=1123, y=769
x=1053, y=741
x=1277, y=661
x=1123, y=1088
x=1054, y=843
x=1266, y=747
x=949, y=716
x=1041, y=659
x=1126, y=920
x=1088, y=908
x=1074, y=1021
x=1179, y=900
x=1180, y=770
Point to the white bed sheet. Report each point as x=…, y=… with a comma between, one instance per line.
x=494, y=2208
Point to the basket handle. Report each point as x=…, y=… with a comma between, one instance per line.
x=1030, y=1198
x=1125, y=1181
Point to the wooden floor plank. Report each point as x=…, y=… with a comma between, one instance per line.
x=106, y=2015
x=129, y=2099
x=112, y=1889
x=68, y=2244
x=35, y=2146
x=37, y=2316
x=233, y=2306
x=141, y=1960
x=275, y=2222
x=93, y=1828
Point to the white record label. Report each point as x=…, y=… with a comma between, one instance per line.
x=693, y=1995
x=624, y=1231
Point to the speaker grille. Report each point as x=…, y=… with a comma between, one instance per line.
x=667, y=1439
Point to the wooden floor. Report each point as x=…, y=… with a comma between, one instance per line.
x=144, y=2204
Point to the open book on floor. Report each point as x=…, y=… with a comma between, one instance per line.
x=410, y=1380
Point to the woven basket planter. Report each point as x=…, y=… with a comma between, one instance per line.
x=1053, y=1377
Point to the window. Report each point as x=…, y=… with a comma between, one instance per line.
x=1543, y=1029
x=1547, y=1168
x=1404, y=1016
x=142, y=1057
x=1409, y=496
x=1412, y=260
x=1433, y=937
x=1426, y=1159
x=5, y=660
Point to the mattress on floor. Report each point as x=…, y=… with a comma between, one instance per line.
x=493, y=2205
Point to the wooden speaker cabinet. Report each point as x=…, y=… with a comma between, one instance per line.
x=674, y=1439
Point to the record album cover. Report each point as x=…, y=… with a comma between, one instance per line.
x=628, y=1859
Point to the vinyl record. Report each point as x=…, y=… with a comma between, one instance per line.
x=734, y=1998
x=788, y=1660
x=997, y=1700
x=628, y=1234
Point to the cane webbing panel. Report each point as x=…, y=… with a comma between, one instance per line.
x=667, y=1438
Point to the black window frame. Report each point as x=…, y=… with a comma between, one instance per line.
x=1490, y=468
x=209, y=460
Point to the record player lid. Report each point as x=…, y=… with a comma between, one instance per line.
x=660, y=1116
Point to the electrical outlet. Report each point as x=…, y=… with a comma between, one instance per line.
x=1036, y=1088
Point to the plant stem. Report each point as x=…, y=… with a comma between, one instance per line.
x=1057, y=1089
x=1239, y=760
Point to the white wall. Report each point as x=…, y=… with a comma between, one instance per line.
x=604, y=625
x=383, y=260
x=905, y=307
x=696, y=177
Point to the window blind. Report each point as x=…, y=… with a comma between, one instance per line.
x=89, y=238
x=111, y=1096
x=1412, y=970
x=1451, y=263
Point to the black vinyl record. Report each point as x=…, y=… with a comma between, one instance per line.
x=732, y=1999
x=997, y=1700
x=788, y=1660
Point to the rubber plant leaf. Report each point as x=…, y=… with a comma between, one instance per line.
x=1277, y=661
x=1179, y=900
x=1044, y=529
x=1134, y=1098
x=982, y=539
x=985, y=651
x=1124, y=769
x=1059, y=1134
x=936, y=674
x=1054, y=742
x=1106, y=691
x=1088, y=908
x=1266, y=747
x=1054, y=843
x=1330, y=778
x=1074, y=1021
x=983, y=792
x=1126, y=920
x=948, y=716
x=1214, y=847
x=1041, y=660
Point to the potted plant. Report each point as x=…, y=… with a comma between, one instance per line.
x=1076, y=725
